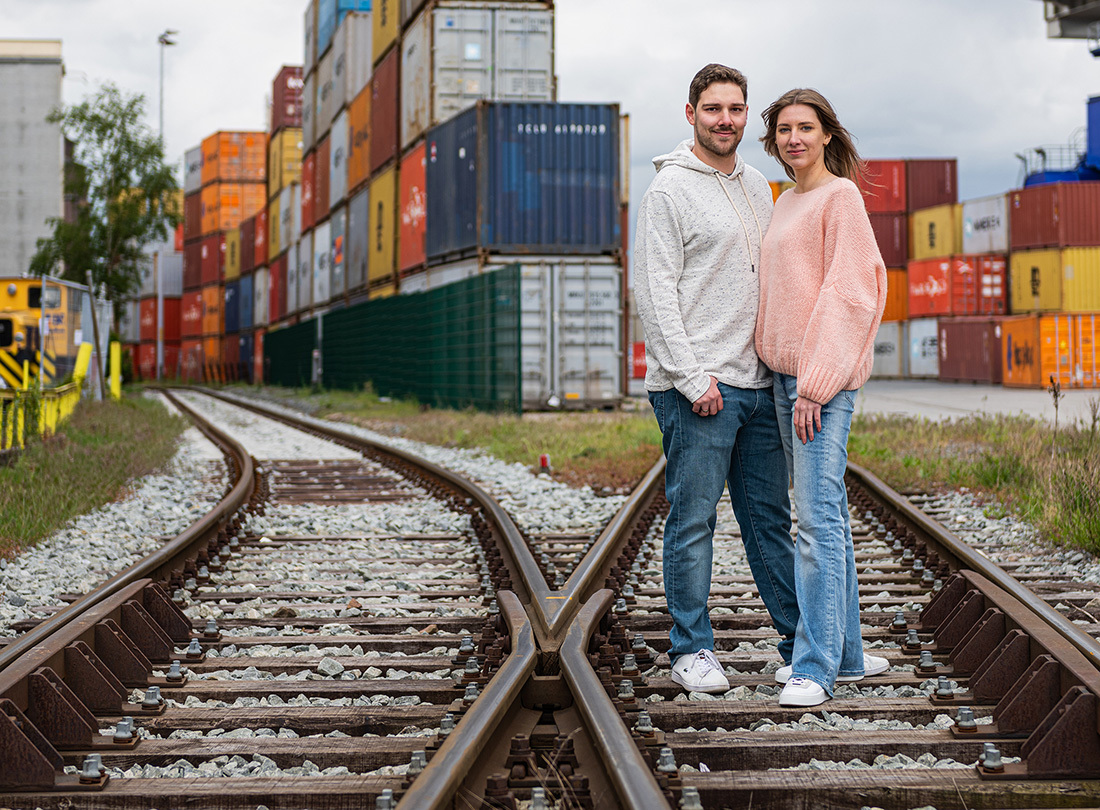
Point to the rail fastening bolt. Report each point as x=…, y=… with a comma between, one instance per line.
x=690, y=800
x=175, y=672
x=899, y=621
x=124, y=730
x=928, y=578
x=964, y=720
x=447, y=724
x=626, y=690
x=944, y=688
x=92, y=769
x=666, y=762
x=620, y=606
x=937, y=585
x=194, y=649
x=152, y=699
x=926, y=663
x=471, y=693
x=384, y=800
x=644, y=724
x=417, y=763
x=912, y=640
x=991, y=759
x=211, y=629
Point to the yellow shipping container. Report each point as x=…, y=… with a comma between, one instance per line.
x=382, y=235
x=233, y=254
x=383, y=291
x=1081, y=279
x=284, y=160
x=384, y=24
x=1035, y=281
x=935, y=233
x=274, y=229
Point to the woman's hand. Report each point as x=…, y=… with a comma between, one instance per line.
x=806, y=417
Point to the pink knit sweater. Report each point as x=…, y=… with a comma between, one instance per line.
x=822, y=290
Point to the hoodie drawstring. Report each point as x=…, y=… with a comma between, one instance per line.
x=744, y=227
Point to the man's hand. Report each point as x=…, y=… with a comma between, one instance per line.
x=711, y=402
x=807, y=416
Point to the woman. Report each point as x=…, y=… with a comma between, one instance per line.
x=822, y=292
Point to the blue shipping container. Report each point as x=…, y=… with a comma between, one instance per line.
x=1092, y=148
x=245, y=308
x=232, y=310
x=246, y=342
x=515, y=177
x=330, y=14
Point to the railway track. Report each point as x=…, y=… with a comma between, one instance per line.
x=471, y=665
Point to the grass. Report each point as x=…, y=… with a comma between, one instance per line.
x=102, y=447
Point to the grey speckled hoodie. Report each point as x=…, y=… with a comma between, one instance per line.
x=696, y=253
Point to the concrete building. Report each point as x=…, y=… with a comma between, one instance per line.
x=32, y=151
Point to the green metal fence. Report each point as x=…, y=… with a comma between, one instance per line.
x=457, y=346
x=288, y=354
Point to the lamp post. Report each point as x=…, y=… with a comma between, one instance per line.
x=165, y=40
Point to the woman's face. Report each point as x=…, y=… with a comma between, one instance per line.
x=800, y=137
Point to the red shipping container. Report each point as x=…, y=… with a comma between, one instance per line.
x=148, y=316
x=213, y=259
x=192, y=265
x=259, y=241
x=892, y=235
x=883, y=187
x=192, y=216
x=929, y=287
x=231, y=355
x=147, y=360
x=191, y=314
x=637, y=360
x=970, y=349
x=191, y=360
x=930, y=182
x=277, y=289
x=248, y=237
x=384, y=118
x=258, y=356
x=309, y=177
x=286, y=93
x=321, y=181
x=412, y=211
x=1054, y=215
x=979, y=285
x=178, y=244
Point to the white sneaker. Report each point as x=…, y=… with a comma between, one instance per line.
x=802, y=692
x=872, y=665
x=700, y=672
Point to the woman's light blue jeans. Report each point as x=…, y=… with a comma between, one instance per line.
x=739, y=446
x=827, y=642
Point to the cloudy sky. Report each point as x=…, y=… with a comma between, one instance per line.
x=973, y=79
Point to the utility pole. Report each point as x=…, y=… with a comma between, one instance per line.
x=165, y=40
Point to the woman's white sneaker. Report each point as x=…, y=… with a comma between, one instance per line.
x=872, y=665
x=700, y=672
x=802, y=692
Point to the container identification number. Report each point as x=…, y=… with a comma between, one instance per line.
x=562, y=129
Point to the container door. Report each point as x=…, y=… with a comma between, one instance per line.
x=588, y=324
x=356, y=239
x=890, y=354
x=523, y=47
x=322, y=250
x=292, y=280
x=416, y=80
x=924, y=359
x=1036, y=280
x=462, y=57
x=539, y=385
x=305, y=271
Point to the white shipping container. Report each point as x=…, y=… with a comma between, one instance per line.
x=338, y=225
x=305, y=271
x=339, y=56
x=891, y=357
x=924, y=356
x=338, y=161
x=457, y=53
x=261, y=296
x=356, y=30
x=295, y=213
x=322, y=254
x=309, y=113
x=985, y=225
x=416, y=283
x=292, y=279
x=129, y=324
x=170, y=264
x=310, y=31
x=326, y=96
x=355, y=267
x=192, y=170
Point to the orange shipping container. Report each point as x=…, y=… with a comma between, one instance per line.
x=212, y=354
x=258, y=356
x=309, y=177
x=213, y=304
x=1038, y=347
x=929, y=287
x=359, y=139
x=234, y=157
x=897, y=295
x=412, y=211
x=225, y=205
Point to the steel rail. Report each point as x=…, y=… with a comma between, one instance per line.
x=969, y=558
x=159, y=562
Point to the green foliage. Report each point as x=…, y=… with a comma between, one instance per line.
x=127, y=194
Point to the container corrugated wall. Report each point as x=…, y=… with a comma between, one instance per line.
x=233, y=254
x=148, y=318
x=924, y=356
x=309, y=112
x=338, y=237
x=247, y=301
x=192, y=170
x=970, y=350
x=259, y=242
x=322, y=175
x=322, y=256
x=386, y=23
x=384, y=118
x=232, y=307
x=931, y=182
x=1055, y=215
x=382, y=232
x=929, y=287
x=248, y=244
x=292, y=265
x=892, y=236
x=309, y=31
x=191, y=313
x=234, y=157
x=985, y=225
x=935, y=233
x=359, y=140
x=897, y=295
x=284, y=160
x=358, y=233
x=1056, y=280
x=305, y=271
x=309, y=190
x=356, y=30
x=213, y=310
x=286, y=98
x=338, y=161
x=884, y=187
x=412, y=211
x=326, y=96
x=979, y=285
x=274, y=230
x=260, y=297
x=891, y=350
x=1037, y=347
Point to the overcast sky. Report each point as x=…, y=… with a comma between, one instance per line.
x=973, y=79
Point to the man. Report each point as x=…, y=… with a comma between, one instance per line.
x=700, y=227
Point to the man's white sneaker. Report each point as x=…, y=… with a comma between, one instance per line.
x=700, y=672
x=872, y=665
x=802, y=692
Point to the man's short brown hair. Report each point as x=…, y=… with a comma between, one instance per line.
x=714, y=74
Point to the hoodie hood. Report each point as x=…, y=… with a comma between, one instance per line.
x=683, y=156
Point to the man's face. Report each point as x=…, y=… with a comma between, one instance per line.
x=719, y=119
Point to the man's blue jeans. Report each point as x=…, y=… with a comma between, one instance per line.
x=828, y=641
x=739, y=446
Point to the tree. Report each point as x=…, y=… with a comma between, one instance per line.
x=129, y=195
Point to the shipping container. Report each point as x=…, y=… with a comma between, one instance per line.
x=192, y=170
x=979, y=285
x=245, y=353
x=284, y=160
x=456, y=53
x=891, y=350
x=385, y=25
x=892, y=236
x=192, y=265
x=356, y=29
x=338, y=161
x=234, y=157
x=213, y=259
x=924, y=356
x=382, y=234
x=129, y=322
x=515, y=178
x=248, y=245
x=191, y=313
x=1055, y=280
x=213, y=309
x=326, y=95
x=277, y=276
x=338, y=236
x=305, y=271
x=274, y=229
x=409, y=10
x=322, y=258
x=191, y=360
x=232, y=307
x=309, y=29
x=897, y=295
x=309, y=113
x=330, y=17
x=930, y=182
x=246, y=301
x=1055, y=215
x=192, y=216
x=339, y=95
x=309, y=182
x=179, y=238
x=1039, y=347
x=292, y=280
x=231, y=355
x=148, y=316
x=258, y=356
x=416, y=282
x=168, y=262
x=286, y=103
x=935, y=233
x=355, y=270
x=385, y=121
x=883, y=187
x=412, y=211
x=224, y=205
x=260, y=301
x=929, y=287
x=213, y=368
x=233, y=254
x=290, y=217
x=359, y=140
x=970, y=349
x=147, y=360
x=321, y=181
x=985, y=225
x=259, y=240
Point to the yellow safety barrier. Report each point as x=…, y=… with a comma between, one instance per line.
x=47, y=408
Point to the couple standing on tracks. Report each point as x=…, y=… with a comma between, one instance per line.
x=759, y=328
